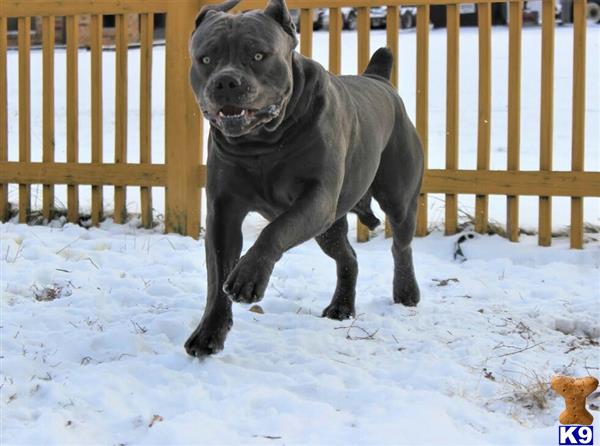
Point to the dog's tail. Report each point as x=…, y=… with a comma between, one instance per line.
x=381, y=63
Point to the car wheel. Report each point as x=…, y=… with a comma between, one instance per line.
x=350, y=22
x=593, y=12
x=407, y=20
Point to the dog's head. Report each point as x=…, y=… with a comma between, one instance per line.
x=241, y=70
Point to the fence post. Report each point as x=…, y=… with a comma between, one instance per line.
x=546, y=117
x=4, y=207
x=422, y=121
x=182, y=125
x=363, y=29
x=578, y=121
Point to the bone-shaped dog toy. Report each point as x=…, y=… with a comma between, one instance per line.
x=575, y=391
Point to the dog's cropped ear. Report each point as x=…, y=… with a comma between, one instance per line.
x=278, y=11
x=221, y=7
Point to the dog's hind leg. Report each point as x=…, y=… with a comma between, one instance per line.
x=365, y=213
x=334, y=242
x=396, y=190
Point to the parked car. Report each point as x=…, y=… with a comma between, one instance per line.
x=378, y=17
x=468, y=13
x=317, y=18
x=593, y=11
x=532, y=12
x=408, y=17
x=348, y=18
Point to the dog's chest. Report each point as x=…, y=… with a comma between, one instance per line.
x=274, y=189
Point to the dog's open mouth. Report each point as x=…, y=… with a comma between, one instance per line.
x=233, y=112
x=236, y=120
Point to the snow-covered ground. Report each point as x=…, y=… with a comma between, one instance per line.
x=94, y=321
x=530, y=112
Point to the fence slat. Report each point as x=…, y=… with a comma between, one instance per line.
x=4, y=207
x=498, y=182
x=578, y=121
x=72, y=26
x=24, y=27
x=423, y=104
x=484, y=20
x=514, y=113
x=146, y=42
x=363, y=28
x=391, y=31
x=452, y=111
x=335, y=40
x=306, y=31
x=91, y=173
x=391, y=39
x=183, y=127
x=546, y=117
x=121, y=47
x=97, y=123
x=48, y=37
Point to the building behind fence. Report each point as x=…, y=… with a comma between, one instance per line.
x=182, y=175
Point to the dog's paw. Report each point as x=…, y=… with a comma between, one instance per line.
x=408, y=296
x=339, y=311
x=208, y=338
x=249, y=279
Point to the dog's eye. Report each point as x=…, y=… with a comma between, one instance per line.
x=258, y=57
x=205, y=60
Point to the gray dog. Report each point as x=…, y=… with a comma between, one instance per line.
x=302, y=148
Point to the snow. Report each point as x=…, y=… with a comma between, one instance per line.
x=530, y=111
x=93, y=321
x=98, y=354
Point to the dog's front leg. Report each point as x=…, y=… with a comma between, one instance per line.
x=223, y=244
x=311, y=214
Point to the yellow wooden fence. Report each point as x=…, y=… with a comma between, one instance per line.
x=183, y=175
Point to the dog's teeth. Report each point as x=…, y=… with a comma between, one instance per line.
x=239, y=115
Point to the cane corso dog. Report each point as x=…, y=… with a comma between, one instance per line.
x=302, y=147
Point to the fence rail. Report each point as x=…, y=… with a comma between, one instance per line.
x=182, y=175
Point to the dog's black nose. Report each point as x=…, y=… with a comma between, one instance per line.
x=227, y=82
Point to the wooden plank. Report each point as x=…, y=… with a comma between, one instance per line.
x=493, y=182
x=335, y=40
x=183, y=143
x=484, y=21
x=48, y=38
x=306, y=31
x=90, y=173
x=391, y=31
x=24, y=27
x=19, y=8
x=546, y=117
x=121, y=46
x=578, y=121
x=4, y=206
x=363, y=28
x=452, y=110
x=22, y=8
x=72, y=26
x=423, y=105
x=391, y=38
x=146, y=42
x=514, y=113
x=97, y=122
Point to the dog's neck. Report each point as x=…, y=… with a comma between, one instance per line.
x=302, y=108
